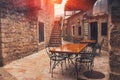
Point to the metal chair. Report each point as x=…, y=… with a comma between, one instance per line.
x=98, y=46
x=55, y=59
x=70, y=57
x=86, y=58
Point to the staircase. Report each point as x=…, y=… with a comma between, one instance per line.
x=55, y=39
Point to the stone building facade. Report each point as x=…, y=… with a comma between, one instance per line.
x=22, y=33
x=108, y=24
x=85, y=25
x=70, y=28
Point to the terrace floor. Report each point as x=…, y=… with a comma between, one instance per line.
x=36, y=67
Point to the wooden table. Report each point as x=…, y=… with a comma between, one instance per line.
x=69, y=48
x=91, y=44
x=88, y=41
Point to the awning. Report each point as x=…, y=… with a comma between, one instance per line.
x=79, y=5
x=100, y=7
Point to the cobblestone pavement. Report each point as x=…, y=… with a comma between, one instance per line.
x=4, y=75
x=36, y=67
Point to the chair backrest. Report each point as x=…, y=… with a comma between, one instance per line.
x=102, y=42
x=94, y=51
x=47, y=50
x=98, y=46
x=86, y=55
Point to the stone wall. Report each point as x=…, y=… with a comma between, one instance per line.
x=19, y=34
x=46, y=15
x=115, y=40
x=115, y=53
x=18, y=39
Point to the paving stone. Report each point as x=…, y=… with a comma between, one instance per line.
x=4, y=75
x=36, y=67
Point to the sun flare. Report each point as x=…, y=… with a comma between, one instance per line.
x=59, y=8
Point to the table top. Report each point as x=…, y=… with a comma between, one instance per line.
x=88, y=41
x=69, y=48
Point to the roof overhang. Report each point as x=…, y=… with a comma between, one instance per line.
x=79, y=5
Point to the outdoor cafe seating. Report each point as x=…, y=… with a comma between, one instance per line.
x=74, y=53
x=55, y=59
x=86, y=58
x=58, y=55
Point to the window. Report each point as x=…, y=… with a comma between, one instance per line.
x=41, y=32
x=79, y=30
x=104, y=29
x=73, y=30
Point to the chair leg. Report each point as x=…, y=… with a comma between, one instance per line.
x=69, y=62
x=65, y=64
x=91, y=66
x=77, y=72
x=62, y=67
x=52, y=71
x=88, y=66
x=53, y=67
x=100, y=52
x=50, y=67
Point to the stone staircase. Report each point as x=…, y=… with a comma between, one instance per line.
x=55, y=39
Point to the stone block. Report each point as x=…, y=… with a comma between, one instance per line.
x=7, y=39
x=114, y=77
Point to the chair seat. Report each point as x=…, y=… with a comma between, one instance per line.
x=84, y=60
x=58, y=58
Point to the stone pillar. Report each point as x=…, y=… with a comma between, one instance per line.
x=114, y=39
x=115, y=53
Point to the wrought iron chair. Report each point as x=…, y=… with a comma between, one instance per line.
x=70, y=59
x=86, y=58
x=98, y=46
x=55, y=59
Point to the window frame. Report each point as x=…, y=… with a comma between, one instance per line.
x=104, y=29
x=79, y=30
x=41, y=37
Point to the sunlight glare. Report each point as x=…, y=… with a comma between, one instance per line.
x=59, y=8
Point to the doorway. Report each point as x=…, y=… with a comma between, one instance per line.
x=94, y=31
